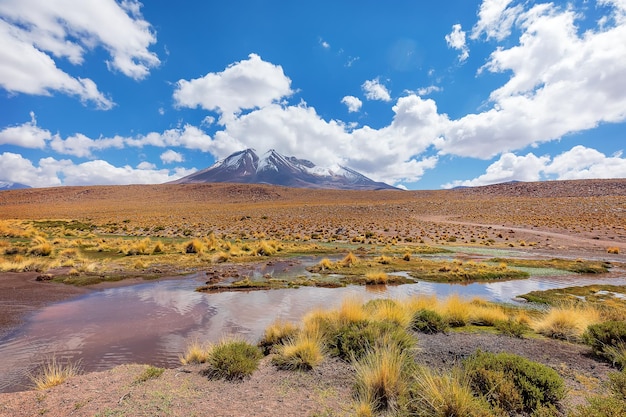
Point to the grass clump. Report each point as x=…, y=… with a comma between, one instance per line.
x=381, y=377
x=566, y=322
x=54, y=372
x=304, y=352
x=456, y=311
x=608, y=340
x=435, y=394
x=512, y=383
x=233, y=360
x=276, y=334
x=151, y=372
x=429, y=321
x=195, y=353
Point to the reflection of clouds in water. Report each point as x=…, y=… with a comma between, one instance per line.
x=178, y=295
x=181, y=301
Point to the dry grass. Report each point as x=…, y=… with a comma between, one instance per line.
x=437, y=394
x=566, y=322
x=456, y=311
x=381, y=377
x=304, y=352
x=195, y=352
x=53, y=372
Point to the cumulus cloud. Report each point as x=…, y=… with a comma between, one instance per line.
x=374, y=90
x=456, y=40
x=36, y=33
x=352, y=103
x=560, y=83
x=171, y=156
x=579, y=162
x=51, y=172
x=495, y=19
x=244, y=85
x=27, y=135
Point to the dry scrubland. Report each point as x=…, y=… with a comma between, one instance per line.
x=405, y=357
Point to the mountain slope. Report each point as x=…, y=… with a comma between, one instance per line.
x=5, y=185
x=276, y=169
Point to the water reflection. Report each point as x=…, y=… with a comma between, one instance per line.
x=152, y=322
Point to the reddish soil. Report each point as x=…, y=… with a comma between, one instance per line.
x=562, y=219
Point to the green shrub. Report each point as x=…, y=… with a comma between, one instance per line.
x=514, y=383
x=511, y=328
x=617, y=383
x=232, y=360
x=352, y=341
x=608, y=340
x=429, y=321
x=601, y=407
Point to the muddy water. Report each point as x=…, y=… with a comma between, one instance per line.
x=152, y=322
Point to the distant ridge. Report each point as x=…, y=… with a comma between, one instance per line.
x=276, y=169
x=5, y=185
x=555, y=188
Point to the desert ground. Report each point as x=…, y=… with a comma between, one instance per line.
x=58, y=243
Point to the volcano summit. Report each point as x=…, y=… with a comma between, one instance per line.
x=276, y=169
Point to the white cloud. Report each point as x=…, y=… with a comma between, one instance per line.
x=352, y=103
x=560, y=83
x=146, y=165
x=496, y=19
x=578, y=163
x=456, y=40
x=171, y=156
x=82, y=146
x=424, y=91
x=246, y=84
x=52, y=172
x=27, y=135
x=581, y=162
x=374, y=90
x=36, y=33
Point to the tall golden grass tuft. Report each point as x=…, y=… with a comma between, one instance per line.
x=486, y=314
x=195, y=352
x=614, y=250
x=53, y=373
x=392, y=312
x=303, y=352
x=445, y=394
x=325, y=264
x=381, y=377
x=376, y=278
x=351, y=311
x=422, y=302
x=349, y=260
x=277, y=333
x=566, y=322
x=456, y=311
x=193, y=246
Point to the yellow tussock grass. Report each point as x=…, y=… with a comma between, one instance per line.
x=456, y=311
x=381, y=377
x=445, y=394
x=195, y=352
x=303, y=352
x=566, y=322
x=351, y=311
x=53, y=373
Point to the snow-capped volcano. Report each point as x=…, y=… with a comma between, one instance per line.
x=273, y=168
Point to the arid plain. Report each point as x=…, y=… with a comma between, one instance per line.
x=60, y=242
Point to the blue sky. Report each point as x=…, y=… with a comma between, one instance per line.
x=422, y=95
